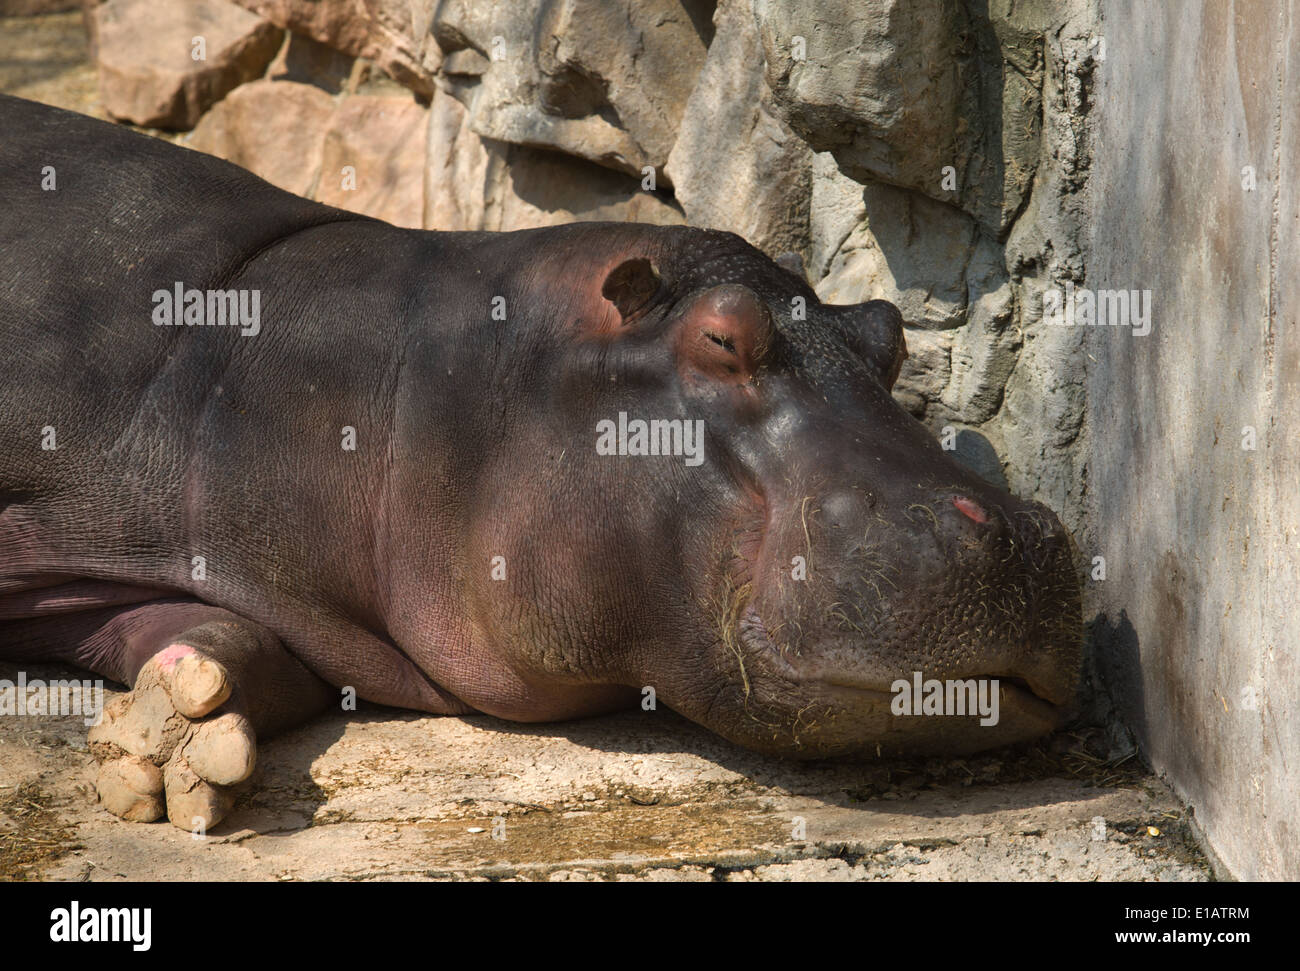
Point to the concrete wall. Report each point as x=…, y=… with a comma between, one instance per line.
x=1198, y=615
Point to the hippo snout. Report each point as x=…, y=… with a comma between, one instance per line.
x=920, y=600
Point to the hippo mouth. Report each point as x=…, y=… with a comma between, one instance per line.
x=1017, y=694
x=1041, y=700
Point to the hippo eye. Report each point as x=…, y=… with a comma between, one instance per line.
x=724, y=333
x=724, y=342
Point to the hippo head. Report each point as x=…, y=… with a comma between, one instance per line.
x=744, y=520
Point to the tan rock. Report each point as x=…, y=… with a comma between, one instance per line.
x=163, y=65
x=309, y=61
x=878, y=85
x=395, y=34
x=373, y=159
x=986, y=349
x=274, y=129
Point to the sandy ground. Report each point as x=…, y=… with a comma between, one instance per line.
x=383, y=795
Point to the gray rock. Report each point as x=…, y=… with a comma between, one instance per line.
x=605, y=80
x=910, y=250
x=985, y=350
x=906, y=91
x=736, y=166
x=836, y=209
x=473, y=183
x=926, y=371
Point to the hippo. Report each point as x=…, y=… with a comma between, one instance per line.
x=260, y=457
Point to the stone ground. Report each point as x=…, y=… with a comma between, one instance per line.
x=46, y=59
x=382, y=795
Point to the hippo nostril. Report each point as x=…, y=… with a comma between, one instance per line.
x=970, y=509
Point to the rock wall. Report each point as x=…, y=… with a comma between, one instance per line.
x=1194, y=477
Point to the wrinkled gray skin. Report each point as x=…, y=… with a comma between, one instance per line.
x=372, y=568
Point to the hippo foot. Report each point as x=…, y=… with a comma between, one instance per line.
x=173, y=745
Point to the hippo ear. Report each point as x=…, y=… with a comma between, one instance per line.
x=874, y=331
x=724, y=334
x=631, y=287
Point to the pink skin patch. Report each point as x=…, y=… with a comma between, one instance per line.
x=970, y=509
x=168, y=656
